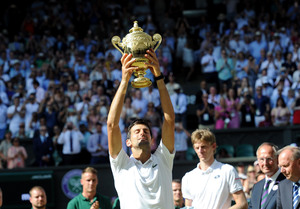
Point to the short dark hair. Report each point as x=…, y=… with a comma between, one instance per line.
x=136, y=122
x=176, y=181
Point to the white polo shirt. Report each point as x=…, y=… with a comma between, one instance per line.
x=212, y=188
x=144, y=186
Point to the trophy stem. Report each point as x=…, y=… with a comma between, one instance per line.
x=141, y=81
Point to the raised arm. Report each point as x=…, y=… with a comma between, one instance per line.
x=113, y=129
x=166, y=104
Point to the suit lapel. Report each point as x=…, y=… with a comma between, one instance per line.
x=289, y=192
x=260, y=192
x=274, y=189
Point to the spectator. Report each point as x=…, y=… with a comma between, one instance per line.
x=209, y=66
x=128, y=111
x=262, y=104
x=202, y=90
x=15, y=114
x=250, y=181
x=38, y=197
x=34, y=125
x=139, y=104
x=224, y=67
x=89, y=198
x=82, y=107
x=16, y=155
x=179, y=102
x=152, y=95
x=4, y=147
x=22, y=134
x=92, y=118
x=3, y=119
x=296, y=109
x=57, y=148
x=70, y=139
x=232, y=103
x=205, y=113
x=257, y=45
x=84, y=153
x=171, y=83
x=154, y=119
x=267, y=122
x=177, y=194
x=222, y=116
x=240, y=66
x=213, y=97
x=30, y=106
x=181, y=146
x=269, y=64
x=98, y=146
x=245, y=88
x=43, y=148
x=290, y=66
x=280, y=114
x=247, y=110
x=39, y=91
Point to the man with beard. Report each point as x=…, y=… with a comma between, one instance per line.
x=38, y=197
x=89, y=198
x=142, y=180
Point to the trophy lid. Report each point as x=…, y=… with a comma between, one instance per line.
x=135, y=27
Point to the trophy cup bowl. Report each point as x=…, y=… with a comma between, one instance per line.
x=137, y=42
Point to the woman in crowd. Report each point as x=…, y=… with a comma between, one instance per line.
x=16, y=155
x=280, y=114
x=232, y=103
x=222, y=116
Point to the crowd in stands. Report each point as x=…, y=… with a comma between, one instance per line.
x=59, y=71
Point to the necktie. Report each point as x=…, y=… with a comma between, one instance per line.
x=265, y=194
x=295, y=194
x=71, y=142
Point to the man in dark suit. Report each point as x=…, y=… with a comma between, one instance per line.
x=288, y=192
x=264, y=192
x=43, y=148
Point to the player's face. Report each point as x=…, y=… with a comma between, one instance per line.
x=140, y=136
x=177, y=194
x=38, y=199
x=205, y=150
x=289, y=167
x=267, y=160
x=89, y=182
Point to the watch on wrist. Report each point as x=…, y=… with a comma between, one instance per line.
x=159, y=77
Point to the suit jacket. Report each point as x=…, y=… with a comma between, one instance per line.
x=257, y=192
x=285, y=195
x=41, y=149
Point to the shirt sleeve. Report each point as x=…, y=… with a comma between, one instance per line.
x=119, y=162
x=185, y=187
x=60, y=139
x=234, y=181
x=163, y=153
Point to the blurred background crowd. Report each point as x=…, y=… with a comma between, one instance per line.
x=59, y=71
